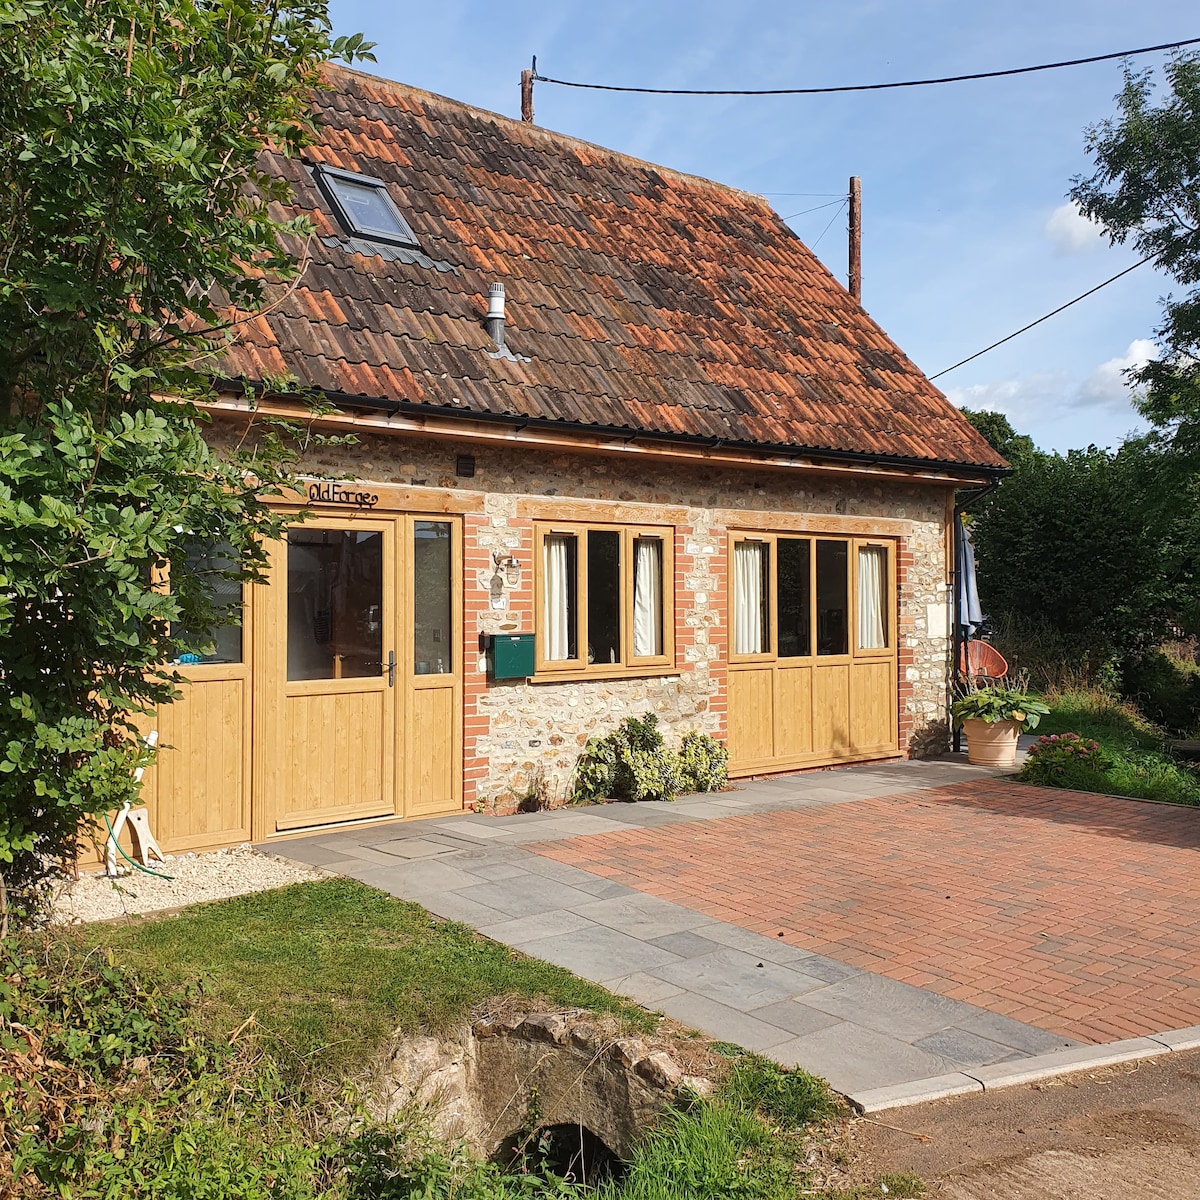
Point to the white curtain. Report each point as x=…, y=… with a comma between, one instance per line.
x=749, y=627
x=556, y=602
x=647, y=597
x=872, y=572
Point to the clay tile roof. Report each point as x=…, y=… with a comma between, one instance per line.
x=642, y=298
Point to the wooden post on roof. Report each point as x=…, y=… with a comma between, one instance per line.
x=527, y=96
x=856, y=237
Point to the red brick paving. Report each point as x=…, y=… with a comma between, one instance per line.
x=1073, y=912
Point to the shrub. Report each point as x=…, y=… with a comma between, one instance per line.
x=1058, y=755
x=1008, y=700
x=704, y=762
x=1166, y=688
x=634, y=763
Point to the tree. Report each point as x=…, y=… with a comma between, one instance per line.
x=1146, y=190
x=134, y=225
x=1001, y=436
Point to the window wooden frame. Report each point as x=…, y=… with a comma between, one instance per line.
x=771, y=540
x=630, y=664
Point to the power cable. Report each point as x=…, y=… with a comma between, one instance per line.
x=1025, y=328
x=861, y=87
x=824, y=231
x=839, y=200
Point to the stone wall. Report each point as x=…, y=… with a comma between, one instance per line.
x=520, y=736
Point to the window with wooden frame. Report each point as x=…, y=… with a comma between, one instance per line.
x=809, y=596
x=604, y=598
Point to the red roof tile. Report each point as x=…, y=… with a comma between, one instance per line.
x=642, y=298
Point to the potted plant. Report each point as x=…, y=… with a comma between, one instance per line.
x=993, y=718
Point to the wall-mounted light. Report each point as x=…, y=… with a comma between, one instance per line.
x=509, y=564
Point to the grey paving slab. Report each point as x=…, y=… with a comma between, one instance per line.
x=853, y=1058
x=599, y=953
x=772, y=949
x=524, y=898
x=795, y=1016
x=641, y=916
x=965, y=1048
x=482, y=832
x=687, y=944
x=416, y=880
x=453, y=906
x=410, y=848
x=897, y=1009
x=494, y=871
x=724, y=1023
x=519, y=930
x=312, y=853
x=643, y=988
x=830, y=970
x=737, y=979
x=1026, y=1038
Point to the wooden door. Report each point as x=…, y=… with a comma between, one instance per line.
x=430, y=742
x=812, y=665
x=327, y=698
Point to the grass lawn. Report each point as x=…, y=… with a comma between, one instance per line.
x=330, y=970
x=1140, y=766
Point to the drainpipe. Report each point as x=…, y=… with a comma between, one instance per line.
x=956, y=675
x=495, y=314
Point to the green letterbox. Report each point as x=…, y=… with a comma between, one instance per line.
x=511, y=656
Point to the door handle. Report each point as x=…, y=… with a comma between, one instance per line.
x=391, y=668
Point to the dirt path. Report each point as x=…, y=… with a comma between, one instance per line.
x=1130, y=1132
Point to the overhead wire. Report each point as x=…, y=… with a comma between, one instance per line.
x=840, y=200
x=1026, y=328
x=864, y=87
x=824, y=231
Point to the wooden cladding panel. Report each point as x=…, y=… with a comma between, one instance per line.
x=793, y=711
x=433, y=769
x=204, y=740
x=831, y=711
x=338, y=761
x=751, y=714
x=872, y=711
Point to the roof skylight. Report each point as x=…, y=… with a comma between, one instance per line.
x=364, y=207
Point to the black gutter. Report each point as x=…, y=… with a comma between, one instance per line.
x=411, y=408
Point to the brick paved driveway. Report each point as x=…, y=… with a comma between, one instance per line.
x=1076, y=913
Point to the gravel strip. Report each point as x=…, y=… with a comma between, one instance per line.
x=194, y=878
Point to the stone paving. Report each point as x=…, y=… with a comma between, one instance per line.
x=860, y=1028
x=1076, y=913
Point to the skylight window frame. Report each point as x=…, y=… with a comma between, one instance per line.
x=327, y=179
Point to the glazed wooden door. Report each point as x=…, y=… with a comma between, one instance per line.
x=336, y=729
x=812, y=664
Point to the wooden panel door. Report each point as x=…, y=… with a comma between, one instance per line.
x=325, y=746
x=431, y=738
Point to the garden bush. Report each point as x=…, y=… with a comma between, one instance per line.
x=634, y=763
x=1167, y=689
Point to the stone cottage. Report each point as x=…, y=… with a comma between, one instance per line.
x=623, y=445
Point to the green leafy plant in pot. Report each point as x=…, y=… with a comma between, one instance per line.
x=993, y=718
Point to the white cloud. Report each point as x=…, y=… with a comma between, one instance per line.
x=1107, y=386
x=1020, y=400
x=1072, y=232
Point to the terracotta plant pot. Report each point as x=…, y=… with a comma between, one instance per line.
x=992, y=744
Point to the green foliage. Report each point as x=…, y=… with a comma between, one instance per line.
x=1100, y=551
x=1132, y=760
x=704, y=762
x=1055, y=755
x=133, y=220
x=330, y=970
x=1166, y=687
x=1146, y=190
x=790, y=1099
x=1001, y=436
x=634, y=763
x=999, y=702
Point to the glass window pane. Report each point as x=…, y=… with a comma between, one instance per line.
x=604, y=596
x=208, y=565
x=751, y=582
x=432, y=583
x=335, y=603
x=559, y=583
x=647, y=597
x=370, y=209
x=832, y=598
x=793, y=601
x=872, y=597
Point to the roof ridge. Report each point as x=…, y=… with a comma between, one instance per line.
x=544, y=133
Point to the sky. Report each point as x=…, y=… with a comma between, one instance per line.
x=967, y=231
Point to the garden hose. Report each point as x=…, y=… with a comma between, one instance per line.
x=121, y=852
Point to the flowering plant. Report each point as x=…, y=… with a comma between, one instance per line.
x=999, y=703
x=1059, y=759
